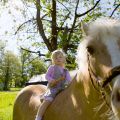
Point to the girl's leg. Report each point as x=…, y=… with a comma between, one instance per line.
x=42, y=109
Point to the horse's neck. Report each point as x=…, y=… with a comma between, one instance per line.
x=81, y=86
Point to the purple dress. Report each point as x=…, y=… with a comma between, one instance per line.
x=54, y=72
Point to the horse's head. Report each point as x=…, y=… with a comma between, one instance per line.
x=99, y=55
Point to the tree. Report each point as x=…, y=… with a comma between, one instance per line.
x=52, y=25
x=11, y=68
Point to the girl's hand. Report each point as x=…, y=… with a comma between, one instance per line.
x=52, y=83
x=55, y=82
x=62, y=78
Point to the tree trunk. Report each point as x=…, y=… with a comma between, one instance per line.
x=54, y=29
x=6, y=82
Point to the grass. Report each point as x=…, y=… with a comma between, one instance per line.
x=6, y=104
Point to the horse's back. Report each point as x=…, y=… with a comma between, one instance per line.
x=27, y=102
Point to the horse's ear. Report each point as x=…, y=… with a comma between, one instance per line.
x=84, y=28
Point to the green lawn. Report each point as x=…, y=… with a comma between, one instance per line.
x=6, y=104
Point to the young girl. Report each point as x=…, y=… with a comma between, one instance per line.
x=58, y=78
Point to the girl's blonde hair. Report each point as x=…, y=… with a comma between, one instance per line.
x=56, y=53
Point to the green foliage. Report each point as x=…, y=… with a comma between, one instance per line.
x=4, y=2
x=37, y=67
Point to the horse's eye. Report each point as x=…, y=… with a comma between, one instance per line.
x=90, y=50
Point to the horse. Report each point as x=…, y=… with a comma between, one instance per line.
x=94, y=91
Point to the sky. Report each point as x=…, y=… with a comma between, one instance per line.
x=11, y=18
x=7, y=24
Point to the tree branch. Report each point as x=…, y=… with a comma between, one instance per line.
x=71, y=31
x=40, y=26
x=38, y=52
x=114, y=10
x=31, y=20
x=80, y=15
x=64, y=6
x=24, y=24
x=74, y=22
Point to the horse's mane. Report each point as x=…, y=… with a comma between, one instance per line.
x=103, y=27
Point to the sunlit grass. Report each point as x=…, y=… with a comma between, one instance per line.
x=6, y=104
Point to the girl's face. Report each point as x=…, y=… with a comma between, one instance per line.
x=59, y=60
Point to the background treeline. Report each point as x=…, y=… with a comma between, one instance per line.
x=16, y=70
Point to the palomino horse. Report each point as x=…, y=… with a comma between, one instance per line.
x=90, y=95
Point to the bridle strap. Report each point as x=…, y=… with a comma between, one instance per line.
x=97, y=79
x=91, y=74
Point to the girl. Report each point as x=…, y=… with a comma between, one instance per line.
x=58, y=78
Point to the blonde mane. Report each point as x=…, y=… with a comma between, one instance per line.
x=102, y=27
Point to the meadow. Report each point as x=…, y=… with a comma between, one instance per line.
x=7, y=99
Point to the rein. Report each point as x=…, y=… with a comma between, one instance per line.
x=112, y=74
